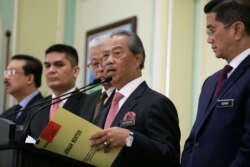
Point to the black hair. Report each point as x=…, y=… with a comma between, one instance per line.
x=70, y=52
x=230, y=11
x=33, y=66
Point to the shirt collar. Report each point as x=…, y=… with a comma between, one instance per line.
x=131, y=86
x=24, y=102
x=109, y=91
x=64, y=97
x=238, y=59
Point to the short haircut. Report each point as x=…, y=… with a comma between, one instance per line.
x=134, y=43
x=70, y=52
x=33, y=66
x=230, y=11
x=99, y=40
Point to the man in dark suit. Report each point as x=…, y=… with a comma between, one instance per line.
x=220, y=135
x=146, y=124
x=22, y=78
x=95, y=101
x=61, y=71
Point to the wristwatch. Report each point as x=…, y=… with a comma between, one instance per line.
x=129, y=139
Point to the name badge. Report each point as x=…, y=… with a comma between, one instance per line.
x=225, y=103
x=127, y=123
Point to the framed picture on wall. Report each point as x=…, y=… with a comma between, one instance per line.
x=128, y=24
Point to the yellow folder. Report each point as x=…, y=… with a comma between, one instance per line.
x=68, y=134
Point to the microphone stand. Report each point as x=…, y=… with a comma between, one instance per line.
x=91, y=86
x=96, y=81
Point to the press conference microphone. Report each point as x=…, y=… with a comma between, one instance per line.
x=96, y=81
x=108, y=79
x=92, y=85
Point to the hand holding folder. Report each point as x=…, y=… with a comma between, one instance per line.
x=68, y=134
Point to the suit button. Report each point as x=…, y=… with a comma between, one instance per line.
x=197, y=144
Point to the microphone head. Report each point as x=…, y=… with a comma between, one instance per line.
x=96, y=81
x=108, y=79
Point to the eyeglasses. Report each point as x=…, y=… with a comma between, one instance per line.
x=11, y=72
x=94, y=65
x=210, y=32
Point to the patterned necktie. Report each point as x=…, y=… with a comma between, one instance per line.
x=113, y=109
x=100, y=104
x=223, y=78
x=54, y=107
x=15, y=113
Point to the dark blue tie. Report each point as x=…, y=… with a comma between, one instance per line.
x=15, y=112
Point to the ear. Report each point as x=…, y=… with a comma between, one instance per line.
x=138, y=59
x=76, y=71
x=239, y=30
x=30, y=78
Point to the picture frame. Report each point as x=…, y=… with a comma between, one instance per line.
x=128, y=24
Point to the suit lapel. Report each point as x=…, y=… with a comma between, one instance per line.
x=44, y=109
x=129, y=103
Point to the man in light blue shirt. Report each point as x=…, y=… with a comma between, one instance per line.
x=22, y=78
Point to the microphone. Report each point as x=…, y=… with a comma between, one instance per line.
x=96, y=81
x=108, y=79
x=92, y=85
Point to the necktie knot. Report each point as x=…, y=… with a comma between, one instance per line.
x=117, y=97
x=15, y=114
x=223, y=78
x=54, y=107
x=18, y=107
x=102, y=97
x=226, y=70
x=56, y=100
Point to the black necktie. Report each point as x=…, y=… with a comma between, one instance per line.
x=15, y=113
x=99, y=104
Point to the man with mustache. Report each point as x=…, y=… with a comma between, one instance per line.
x=22, y=78
x=141, y=121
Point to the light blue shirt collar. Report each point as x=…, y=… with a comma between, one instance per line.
x=24, y=102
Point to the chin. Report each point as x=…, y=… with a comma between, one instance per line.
x=51, y=86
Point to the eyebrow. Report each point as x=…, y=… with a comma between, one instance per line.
x=209, y=26
x=55, y=62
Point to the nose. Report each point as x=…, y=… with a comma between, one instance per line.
x=50, y=69
x=6, y=76
x=108, y=61
x=210, y=39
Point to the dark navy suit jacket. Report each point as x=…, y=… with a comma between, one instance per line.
x=21, y=119
x=220, y=136
x=156, y=130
